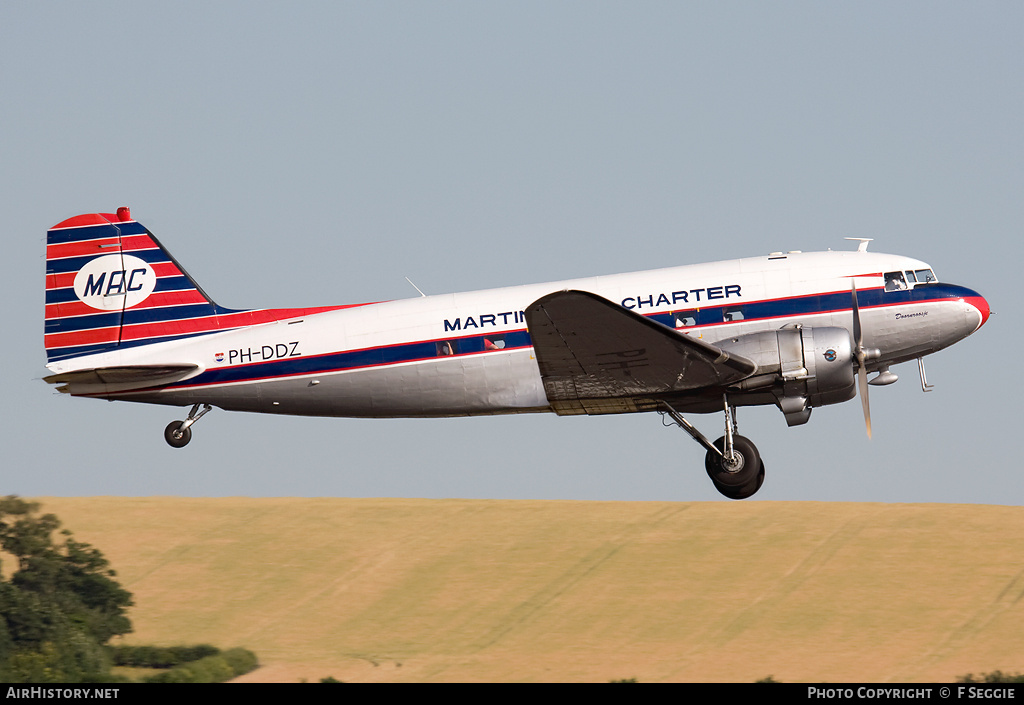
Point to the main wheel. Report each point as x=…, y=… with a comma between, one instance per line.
x=738, y=471
x=746, y=490
x=176, y=436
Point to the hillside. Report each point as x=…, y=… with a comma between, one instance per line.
x=467, y=590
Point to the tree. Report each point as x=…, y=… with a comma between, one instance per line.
x=61, y=605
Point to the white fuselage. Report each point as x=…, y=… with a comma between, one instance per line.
x=469, y=353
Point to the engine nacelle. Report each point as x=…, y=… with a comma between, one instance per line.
x=802, y=367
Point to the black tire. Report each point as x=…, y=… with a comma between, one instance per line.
x=745, y=491
x=176, y=436
x=746, y=471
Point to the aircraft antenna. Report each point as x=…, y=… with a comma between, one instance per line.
x=414, y=286
x=863, y=246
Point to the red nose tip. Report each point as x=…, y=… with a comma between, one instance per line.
x=981, y=304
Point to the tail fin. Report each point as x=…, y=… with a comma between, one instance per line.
x=110, y=284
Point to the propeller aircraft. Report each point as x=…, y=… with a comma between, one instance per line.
x=124, y=321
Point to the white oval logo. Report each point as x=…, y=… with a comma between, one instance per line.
x=112, y=282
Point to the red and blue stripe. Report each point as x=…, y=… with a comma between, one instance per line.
x=177, y=308
x=471, y=345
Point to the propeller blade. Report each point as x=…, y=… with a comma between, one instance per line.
x=858, y=339
x=862, y=383
x=861, y=356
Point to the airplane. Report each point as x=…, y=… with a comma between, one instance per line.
x=124, y=321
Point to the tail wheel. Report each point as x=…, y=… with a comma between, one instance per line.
x=739, y=470
x=176, y=436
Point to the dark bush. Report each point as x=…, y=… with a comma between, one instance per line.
x=993, y=677
x=210, y=669
x=160, y=656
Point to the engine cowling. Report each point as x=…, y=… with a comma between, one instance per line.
x=803, y=367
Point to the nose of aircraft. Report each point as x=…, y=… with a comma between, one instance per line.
x=965, y=313
x=977, y=308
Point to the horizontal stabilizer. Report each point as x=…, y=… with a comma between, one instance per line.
x=119, y=379
x=596, y=357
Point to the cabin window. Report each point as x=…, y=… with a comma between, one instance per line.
x=494, y=342
x=447, y=347
x=685, y=319
x=894, y=281
x=732, y=314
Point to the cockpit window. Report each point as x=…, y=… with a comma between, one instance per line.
x=898, y=281
x=894, y=281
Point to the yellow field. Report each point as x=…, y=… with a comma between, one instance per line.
x=470, y=590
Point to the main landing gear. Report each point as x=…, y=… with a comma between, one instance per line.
x=733, y=463
x=178, y=434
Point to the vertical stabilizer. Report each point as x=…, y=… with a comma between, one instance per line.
x=110, y=283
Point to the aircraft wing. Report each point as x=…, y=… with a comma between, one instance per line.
x=596, y=357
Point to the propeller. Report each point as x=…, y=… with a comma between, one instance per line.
x=862, y=356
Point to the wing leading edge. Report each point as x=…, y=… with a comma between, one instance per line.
x=596, y=357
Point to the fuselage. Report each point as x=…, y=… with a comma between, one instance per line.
x=470, y=353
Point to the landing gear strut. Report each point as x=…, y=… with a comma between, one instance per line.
x=178, y=434
x=732, y=462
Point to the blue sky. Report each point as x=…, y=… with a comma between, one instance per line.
x=316, y=153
